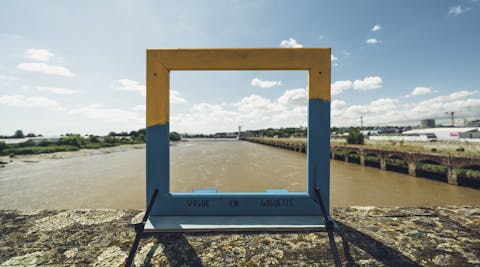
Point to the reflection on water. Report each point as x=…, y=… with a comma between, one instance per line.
x=117, y=180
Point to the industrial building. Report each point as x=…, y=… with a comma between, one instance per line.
x=461, y=134
x=428, y=123
x=475, y=123
x=446, y=134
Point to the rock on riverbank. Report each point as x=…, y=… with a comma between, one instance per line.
x=443, y=236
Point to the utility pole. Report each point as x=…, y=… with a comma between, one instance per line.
x=451, y=114
x=361, y=122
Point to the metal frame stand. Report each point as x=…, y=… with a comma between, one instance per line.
x=139, y=227
x=329, y=227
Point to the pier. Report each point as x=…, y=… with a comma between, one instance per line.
x=439, y=166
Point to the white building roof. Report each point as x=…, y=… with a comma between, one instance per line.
x=442, y=130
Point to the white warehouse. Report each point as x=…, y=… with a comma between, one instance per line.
x=446, y=134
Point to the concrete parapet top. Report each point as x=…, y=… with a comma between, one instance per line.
x=446, y=235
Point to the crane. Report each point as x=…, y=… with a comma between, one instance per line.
x=451, y=113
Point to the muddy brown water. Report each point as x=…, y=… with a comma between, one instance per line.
x=117, y=179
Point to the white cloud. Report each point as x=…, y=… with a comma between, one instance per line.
x=130, y=85
x=376, y=28
x=386, y=111
x=29, y=102
x=460, y=94
x=140, y=108
x=339, y=86
x=252, y=112
x=45, y=69
x=175, y=97
x=255, y=103
x=421, y=91
x=293, y=98
x=38, y=54
x=134, y=86
x=290, y=43
x=457, y=10
x=115, y=115
x=264, y=83
x=290, y=109
x=338, y=104
x=57, y=90
x=372, y=41
x=333, y=58
x=368, y=83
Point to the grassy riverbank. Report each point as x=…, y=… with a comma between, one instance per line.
x=72, y=142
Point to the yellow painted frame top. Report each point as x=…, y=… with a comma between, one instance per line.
x=161, y=61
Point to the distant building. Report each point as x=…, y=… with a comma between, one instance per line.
x=389, y=130
x=370, y=132
x=475, y=123
x=447, y=133
x=457, y=134
x=428, y=123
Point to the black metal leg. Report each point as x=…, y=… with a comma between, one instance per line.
x=139, y=230
x=329, y=227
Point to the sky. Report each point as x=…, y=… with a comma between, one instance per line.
x=79, y=66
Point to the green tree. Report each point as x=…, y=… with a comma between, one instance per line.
x=19, y=134
x=269, y=133
x=141, y=138
x=45, y=143
x=133, y=134
x=93, y=139
x=31, y=135
x=26, y=143
x=355, y=137
x=174, y=136
x=73, y=140
x=2, y=146
x=109, y=139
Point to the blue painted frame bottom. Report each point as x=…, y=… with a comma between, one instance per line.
x=243, y=204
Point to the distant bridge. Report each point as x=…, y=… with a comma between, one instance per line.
x=412, y=159
x=407, y=162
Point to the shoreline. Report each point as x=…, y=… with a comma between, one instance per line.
x=31, y=158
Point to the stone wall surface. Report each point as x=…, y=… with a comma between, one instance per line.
x=366, y=236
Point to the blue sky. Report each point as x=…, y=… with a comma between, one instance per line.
x=79, y=66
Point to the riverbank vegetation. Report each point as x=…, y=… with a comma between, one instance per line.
x=355, y=137
x=174, y=136
x=72, y=142
x=432, y=168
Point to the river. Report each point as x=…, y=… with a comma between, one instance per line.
x=115, y=178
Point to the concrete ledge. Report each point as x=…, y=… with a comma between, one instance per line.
x=366, y=236
x=233, y=223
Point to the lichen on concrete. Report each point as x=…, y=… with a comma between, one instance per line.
x=366, y=236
